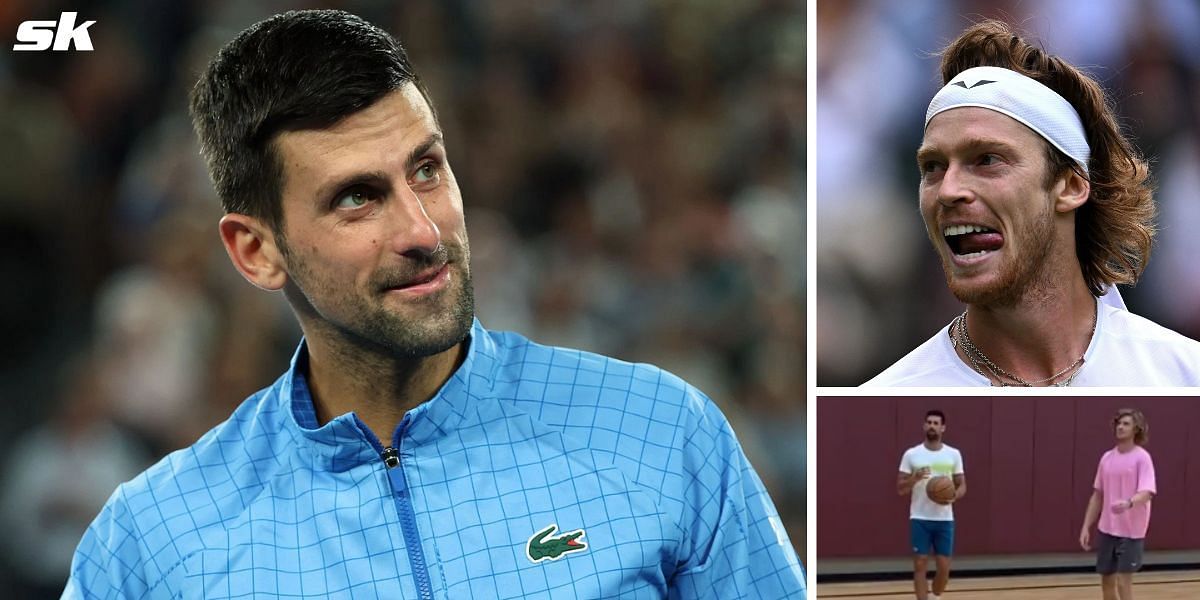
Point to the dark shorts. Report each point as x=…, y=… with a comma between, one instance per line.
x=1117, y=554
x=931, y=537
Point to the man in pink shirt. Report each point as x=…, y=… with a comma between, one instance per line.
x=1120, y=499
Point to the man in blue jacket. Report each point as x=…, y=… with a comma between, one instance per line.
x=408, y=452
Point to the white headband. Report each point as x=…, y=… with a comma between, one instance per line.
x=1011, y=93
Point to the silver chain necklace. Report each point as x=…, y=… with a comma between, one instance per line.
x=960, y=336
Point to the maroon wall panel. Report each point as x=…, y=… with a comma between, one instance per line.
x=1011, y=501
x=1054, y=474
x=1030, y=464
x=859, y=435
x=1169, y=424
x=1191, y=485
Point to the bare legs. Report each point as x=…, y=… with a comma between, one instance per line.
x=940, y=579
x=1125, y=586
x=943, y=574
x=920, y=566
x=1117, y=586
x=1108, y=584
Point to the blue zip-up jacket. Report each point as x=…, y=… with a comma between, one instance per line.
x=535, y=472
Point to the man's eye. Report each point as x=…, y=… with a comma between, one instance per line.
x=426, y=173
x=988, y=160
x=353, y=199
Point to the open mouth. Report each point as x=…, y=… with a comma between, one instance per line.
x=972, y=241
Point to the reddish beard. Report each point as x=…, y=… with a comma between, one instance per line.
x=1018, y=273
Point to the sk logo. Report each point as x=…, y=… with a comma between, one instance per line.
x=973, y=85
x=62, y=34
x=542, y=547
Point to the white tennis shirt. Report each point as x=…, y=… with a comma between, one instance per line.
x=1126, y=350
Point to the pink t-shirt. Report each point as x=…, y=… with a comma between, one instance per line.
x=1120, y=476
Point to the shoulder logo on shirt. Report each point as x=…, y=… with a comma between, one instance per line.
x=543, y=547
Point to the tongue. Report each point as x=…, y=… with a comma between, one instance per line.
x=974, y=242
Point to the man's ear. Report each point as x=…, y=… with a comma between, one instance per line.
x=1071, y=191
x=251, y=247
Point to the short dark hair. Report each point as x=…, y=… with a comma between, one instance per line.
x=936, y=413
x=304, y=69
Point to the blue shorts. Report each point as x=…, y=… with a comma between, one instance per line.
x=931, y=537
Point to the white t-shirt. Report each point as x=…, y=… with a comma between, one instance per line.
x=1126, y=350
x=945, y=461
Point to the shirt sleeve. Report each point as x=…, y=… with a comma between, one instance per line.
x=1098, y=484
x=106, y=562
x=959, y=467
x=1145, y=480
x=736, y=546
x=906, y=462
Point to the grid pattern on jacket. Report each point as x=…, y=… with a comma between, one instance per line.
x=523, y=436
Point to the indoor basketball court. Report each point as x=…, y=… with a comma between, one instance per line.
x=1030, y=466
x=1161, y=585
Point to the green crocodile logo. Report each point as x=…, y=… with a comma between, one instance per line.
x=542, y=547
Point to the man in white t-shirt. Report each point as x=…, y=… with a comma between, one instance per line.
x=931, y=524
x=1037, y=206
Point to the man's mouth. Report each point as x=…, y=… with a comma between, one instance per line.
x=424, y=281
x=972, y=241
x=424, y=277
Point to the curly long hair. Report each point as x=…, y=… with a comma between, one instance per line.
x=1141, y=434
x=1115, y=227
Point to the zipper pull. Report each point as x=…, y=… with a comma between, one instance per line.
x=391, y=457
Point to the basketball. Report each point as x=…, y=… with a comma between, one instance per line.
x=940, y=489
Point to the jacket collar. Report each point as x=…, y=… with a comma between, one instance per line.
x=345, y=441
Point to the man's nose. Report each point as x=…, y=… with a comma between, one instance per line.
x=414, y=231
x=954, y=186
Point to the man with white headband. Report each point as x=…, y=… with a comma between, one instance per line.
x=1037, y=206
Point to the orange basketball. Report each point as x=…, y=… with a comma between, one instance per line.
x=940, y=489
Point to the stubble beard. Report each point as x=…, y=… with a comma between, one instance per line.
x=403, y=337
x=367, y=324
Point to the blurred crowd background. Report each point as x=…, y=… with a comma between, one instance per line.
x=880, y=289
x=633, y=173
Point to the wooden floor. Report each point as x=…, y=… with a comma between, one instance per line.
x=1164, y=585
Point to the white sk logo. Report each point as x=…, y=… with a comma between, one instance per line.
x=63, y=34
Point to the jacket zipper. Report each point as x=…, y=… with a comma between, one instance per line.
x=408, y=517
